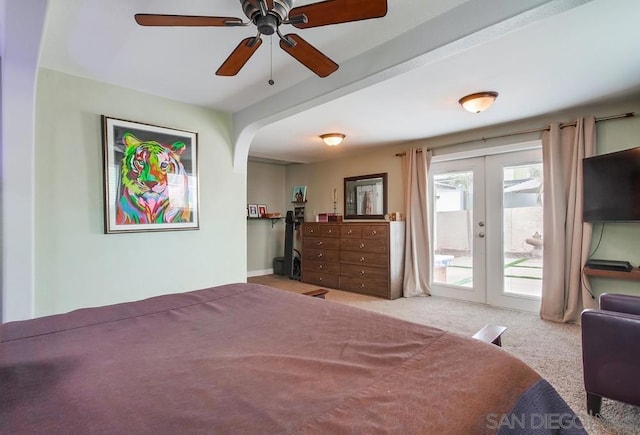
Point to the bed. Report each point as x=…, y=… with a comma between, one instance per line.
x=245, y=358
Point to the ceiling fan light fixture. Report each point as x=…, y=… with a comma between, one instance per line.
x=332, y=139
x=476, y=103
x=267, y=16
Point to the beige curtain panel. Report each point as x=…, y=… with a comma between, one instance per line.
x=417, y=259
x=566, y=237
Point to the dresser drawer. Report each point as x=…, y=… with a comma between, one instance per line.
x=321, y=278
x=366, y=286
x=315, y=229
x=321, y=266
x=320, y=243
x=364, y=245
x=322, y=254
x=364, y=258
x=310, y=229
x=364, y=272
x=352, y=232
x=375, y=232
x=330, y=230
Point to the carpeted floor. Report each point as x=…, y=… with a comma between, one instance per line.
x=552, y=349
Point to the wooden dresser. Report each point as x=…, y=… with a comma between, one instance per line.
x=363, y=257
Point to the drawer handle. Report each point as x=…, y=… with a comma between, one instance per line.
x=330, y=231
x=362, y=273
x=320, y=267
x=350, y=232
x=362, y=285
x=374, y=232
x=362, y=259
x=320, y=255
x=319, y=278
x=361, y=245
x=311, y=231
x=319, y=243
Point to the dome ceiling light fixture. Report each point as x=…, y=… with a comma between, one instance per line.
x=332, y=139
x=476, y=103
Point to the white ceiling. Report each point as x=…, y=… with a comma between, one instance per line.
x=399, y=79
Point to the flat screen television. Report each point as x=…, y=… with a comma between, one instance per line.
x=612, y=187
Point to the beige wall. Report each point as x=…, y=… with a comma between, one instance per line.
x=76, y=264
x=265, y=238
x=619, y=242
x=322, y=177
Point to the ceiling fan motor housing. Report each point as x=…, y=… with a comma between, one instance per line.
x=267, y=24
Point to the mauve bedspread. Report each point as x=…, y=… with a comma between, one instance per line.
x=245, y=358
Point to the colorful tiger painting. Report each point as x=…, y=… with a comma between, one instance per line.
x=154, y=184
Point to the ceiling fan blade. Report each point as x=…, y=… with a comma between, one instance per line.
x=236, y=60
x=338, y=11
x=185, y=20
x=308, y=55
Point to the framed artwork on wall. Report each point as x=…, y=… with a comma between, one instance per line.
x=262, y=210
x=299, y=194
x=150, y=177
x=252, y=211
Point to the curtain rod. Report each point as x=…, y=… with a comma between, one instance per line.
x=533, y=130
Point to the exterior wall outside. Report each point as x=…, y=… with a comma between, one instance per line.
x=265, y=239
x=517, y=221
x=76, y=264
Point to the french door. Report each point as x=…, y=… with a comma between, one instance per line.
x=487, y=228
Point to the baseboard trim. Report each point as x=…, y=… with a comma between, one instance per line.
x=259, y=272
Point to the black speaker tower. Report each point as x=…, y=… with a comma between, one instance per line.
x=288, y=245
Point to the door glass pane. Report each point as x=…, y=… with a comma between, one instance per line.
x=522, y=229
x=453, y=229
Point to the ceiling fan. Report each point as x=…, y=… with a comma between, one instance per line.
x=267, y=16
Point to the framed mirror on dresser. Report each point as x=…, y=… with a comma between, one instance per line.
x=365, y=196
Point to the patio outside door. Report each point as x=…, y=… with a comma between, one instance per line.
x=487, y=229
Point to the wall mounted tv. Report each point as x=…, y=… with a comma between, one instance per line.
x=612, y=187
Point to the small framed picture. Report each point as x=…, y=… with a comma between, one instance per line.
x=252, y=211
x=262, y=210
x=299, y=194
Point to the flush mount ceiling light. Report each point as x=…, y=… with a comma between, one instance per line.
x=476, y=103
x=332, y=139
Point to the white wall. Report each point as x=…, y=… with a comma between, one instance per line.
x=21, y=25
x=76, y=264
x=265, y=239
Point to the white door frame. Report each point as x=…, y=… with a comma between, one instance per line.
x=477, y=292
x=488, y=267
x=496, y=294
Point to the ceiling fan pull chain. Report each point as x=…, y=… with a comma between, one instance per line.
x=271, y=82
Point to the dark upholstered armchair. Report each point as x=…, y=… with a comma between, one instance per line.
x=611, y=351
